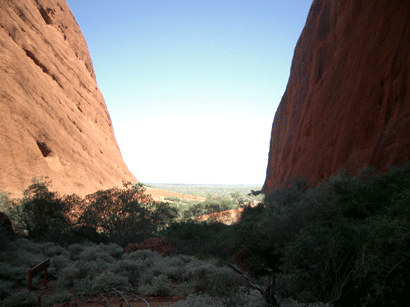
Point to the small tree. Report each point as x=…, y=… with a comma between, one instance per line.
x=40, y=212
x=124, y=213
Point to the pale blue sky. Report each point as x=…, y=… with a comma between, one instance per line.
x=192, y=86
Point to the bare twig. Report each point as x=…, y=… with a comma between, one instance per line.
x=267, y=294
x=141, y=299
x=109, y=305
x=120, y=293
x=395, y=266
x=256, y=287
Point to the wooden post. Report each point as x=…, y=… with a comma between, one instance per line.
x=37, y=270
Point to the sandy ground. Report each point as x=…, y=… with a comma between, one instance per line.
x=160, y=195
x=227, y=217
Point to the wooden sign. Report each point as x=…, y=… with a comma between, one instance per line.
x=37, y=270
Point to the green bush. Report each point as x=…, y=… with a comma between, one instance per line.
x=345, y=240
x=210, y=205
x=5, y=201
x=199, y=238
x=126, y=215
x=41, y=213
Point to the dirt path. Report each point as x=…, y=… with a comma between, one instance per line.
x=116, y=301
x=113, y=300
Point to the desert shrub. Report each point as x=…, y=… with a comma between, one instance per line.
x=159, y=286
x=129, y=268
x=5, y=288
x=185, y=288
x=51, y=250
x=4, y=239
x=23, y=298
x=289, y=302
x=175, y=271
x=185, y=258
x=28, y=246
x=77, y=271
x=245, y=297
x=223, y=282
x=142, y=261
x=146, y=255
x=106, y=253
x=106, y=282
x=212, y=279
x=84, y=285
x=14, y=274
x=75, y=250
x=146, y=277
x=59, y=298
x=19, y=258
x=171, y=266
x=57, y=264
x=93, y=253
x=198, y=301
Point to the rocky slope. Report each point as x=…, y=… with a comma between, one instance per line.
x=347, y=102
x=54, y=121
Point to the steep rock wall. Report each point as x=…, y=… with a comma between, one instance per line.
x=347, y=102
x=54, y=121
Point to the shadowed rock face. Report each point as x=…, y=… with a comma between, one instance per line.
x=347, y=102
x=54, y=121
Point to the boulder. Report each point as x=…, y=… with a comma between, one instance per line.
x=6, y=227
x=54, y=121
x=162, y=246
x=130, y=248
x=347, y=101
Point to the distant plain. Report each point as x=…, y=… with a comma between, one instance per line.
x=206, y=190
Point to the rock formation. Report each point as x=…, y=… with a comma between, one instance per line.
x=6, y=227
x=162, y=246
x=347, y=102
x=54, y=121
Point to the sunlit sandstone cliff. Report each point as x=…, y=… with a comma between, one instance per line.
x=347, y=102
x=54, y=121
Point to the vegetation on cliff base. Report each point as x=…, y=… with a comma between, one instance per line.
x=345, y=241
